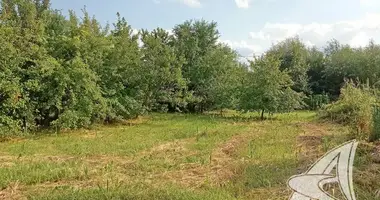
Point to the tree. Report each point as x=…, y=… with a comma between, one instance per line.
x=193, y=41
x=225, y=77
x=316, y=72
x=160, y=72
x=267, y=88
x=120, y=74
x=292, y=54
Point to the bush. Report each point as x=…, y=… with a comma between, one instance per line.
x=354, y=108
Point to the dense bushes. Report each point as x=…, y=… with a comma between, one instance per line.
x=355, y=107
x=71, y=72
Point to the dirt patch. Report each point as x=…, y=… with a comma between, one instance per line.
x=309, y=143
x=313, y=129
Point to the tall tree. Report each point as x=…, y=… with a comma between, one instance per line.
x=316, y=73
x=193, y=40
x=120, y=73
x=222, y=86
x=293, y=56
x=161, y=76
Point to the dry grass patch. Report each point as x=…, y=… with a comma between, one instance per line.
x=221, y=168
x=12, y=192
x=309, y=142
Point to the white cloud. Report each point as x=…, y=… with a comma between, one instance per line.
x=243, y=45
x=192, y=3
x=354, y=32
x=361, y=39
x=245, y=49
x=259, y=35
x=243, y=3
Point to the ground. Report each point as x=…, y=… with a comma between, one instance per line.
x=178, y=156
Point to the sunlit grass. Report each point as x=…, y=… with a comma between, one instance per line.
x=170, y=156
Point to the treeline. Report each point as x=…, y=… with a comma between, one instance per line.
x=70, y=72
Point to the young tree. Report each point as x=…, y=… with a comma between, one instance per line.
x=267, y=88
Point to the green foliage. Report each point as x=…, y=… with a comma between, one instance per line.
x=223, y=78
x=375, y=132
x=55, y=69
x=119, y=75
x=292, y=54
x=267, y=88
x=65, y=73
x=316, y=73
x=71, y=73
x=207, y=63
x=344, y=62
x=354, y=107
x=161, y=72
x=317, y=101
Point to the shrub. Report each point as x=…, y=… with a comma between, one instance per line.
x=354, y=108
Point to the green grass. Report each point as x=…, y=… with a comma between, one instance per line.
x=133, y=192
x=39, y=172
x=173, y=156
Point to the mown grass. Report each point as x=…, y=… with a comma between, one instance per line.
x=174, y=156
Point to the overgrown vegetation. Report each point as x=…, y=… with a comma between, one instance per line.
x=68, y=72
x=356, y=107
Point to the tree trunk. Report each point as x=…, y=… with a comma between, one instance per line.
x=262, y=114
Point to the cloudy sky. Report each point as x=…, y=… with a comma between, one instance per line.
x=249, y=26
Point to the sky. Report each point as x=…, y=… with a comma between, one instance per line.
x=249, y=26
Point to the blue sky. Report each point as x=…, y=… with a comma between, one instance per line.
x=249, y=26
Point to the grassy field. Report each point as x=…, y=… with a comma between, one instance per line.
x=177, y=156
